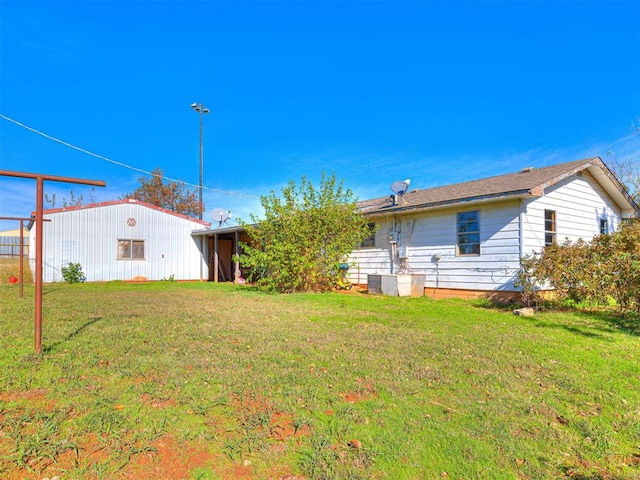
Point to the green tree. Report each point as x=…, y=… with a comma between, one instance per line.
x=169, y=195
x=305, y=235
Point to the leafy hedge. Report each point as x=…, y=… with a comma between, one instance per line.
x=605, y=269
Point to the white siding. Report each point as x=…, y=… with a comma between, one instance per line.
x=89, y=236
x=428, y=235
x=579, y=203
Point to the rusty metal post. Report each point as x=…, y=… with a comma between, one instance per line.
x=38, y=269
x=39, y=178
x=21, y=257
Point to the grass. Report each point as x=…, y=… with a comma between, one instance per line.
x=10, y=267
x=215, y=381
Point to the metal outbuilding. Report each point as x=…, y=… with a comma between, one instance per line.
x=122, y=240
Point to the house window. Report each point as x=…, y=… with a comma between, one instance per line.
x=130, y=249
x=604, y=226
x=549, y=227
x=468, y=228
x=370, y=241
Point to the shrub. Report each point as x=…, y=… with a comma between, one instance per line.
x=72, y=273
x=606, y=268
x=306, y=234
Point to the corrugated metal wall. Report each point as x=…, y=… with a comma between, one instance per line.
x=89, y=236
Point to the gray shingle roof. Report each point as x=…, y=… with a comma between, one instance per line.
x=526, y=183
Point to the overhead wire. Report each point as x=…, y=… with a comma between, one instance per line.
x=120, y=164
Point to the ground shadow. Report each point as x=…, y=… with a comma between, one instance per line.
x=628, y=323
x=76, y=332
x=585, y=332
x=611, y=320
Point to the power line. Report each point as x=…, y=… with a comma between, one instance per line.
x=120, y=164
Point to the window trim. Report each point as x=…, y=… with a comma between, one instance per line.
x=131, y=249
x=552, y=232
x=473, y=232
x=604, y=222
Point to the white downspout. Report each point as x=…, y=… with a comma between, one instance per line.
x=393, y=243
x=521, y=229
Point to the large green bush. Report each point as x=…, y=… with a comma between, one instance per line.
x=607, y=268
x=305, y=235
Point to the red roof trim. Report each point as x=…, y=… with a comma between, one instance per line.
x=124, y=202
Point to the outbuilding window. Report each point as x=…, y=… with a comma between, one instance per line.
x=468, y=228
x=130, y=249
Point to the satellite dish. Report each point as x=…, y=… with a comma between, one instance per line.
x=400, y=188
x=220, y=215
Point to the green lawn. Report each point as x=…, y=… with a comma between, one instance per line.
x=197, y=380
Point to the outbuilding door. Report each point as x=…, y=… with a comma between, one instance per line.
x=225, y=261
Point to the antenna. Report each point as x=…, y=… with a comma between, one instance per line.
x=220, y=215
x=400, y=188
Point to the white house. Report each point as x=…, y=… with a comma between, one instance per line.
x=467, y=239
x=121, y=240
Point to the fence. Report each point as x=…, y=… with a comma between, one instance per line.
x=10, y=246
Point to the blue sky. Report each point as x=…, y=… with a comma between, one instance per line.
x=439, y=92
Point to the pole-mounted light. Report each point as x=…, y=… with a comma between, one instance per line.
x=202, y=110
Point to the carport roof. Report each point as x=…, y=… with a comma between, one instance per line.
x=217, y=231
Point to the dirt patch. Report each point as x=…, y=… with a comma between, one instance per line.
x=90, y=451
x=173, y=460
x=258, y=413
x=38, y=393
x=165, y=458
x=168, y=459
x=354, y=290
x=137, y=279
x=157, y=402
x=366, y=391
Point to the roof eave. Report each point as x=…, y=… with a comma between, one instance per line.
x=459, y=201
x=591, y=162
x=609, y=182
x=615, y=190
